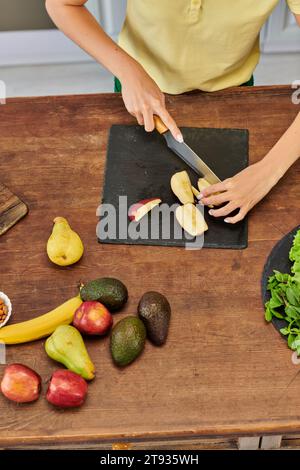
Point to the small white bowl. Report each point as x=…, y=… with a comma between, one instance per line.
x=8, y=304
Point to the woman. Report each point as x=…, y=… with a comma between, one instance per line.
x=182, y=45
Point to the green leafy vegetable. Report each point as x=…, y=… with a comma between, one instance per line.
x=284, y=302
x=295, y=256
x=295, y=250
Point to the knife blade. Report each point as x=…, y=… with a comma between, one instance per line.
x=186, y=153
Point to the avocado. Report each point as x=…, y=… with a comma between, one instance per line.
x=155, y=311
x=109, y=291
x=127, y=340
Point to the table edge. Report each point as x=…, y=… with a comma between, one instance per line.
x=227, y=430
x=281, y=89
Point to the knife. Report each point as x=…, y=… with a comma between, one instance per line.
x=186, y=153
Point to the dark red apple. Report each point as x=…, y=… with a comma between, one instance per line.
x=66, y=389
x=20, y=383
x=138, y=210
x=92, y=318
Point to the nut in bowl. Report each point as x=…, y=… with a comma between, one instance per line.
x=5, y=309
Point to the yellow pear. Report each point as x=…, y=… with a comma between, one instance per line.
x=64, y=246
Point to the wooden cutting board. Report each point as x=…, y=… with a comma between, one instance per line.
x=12, y=209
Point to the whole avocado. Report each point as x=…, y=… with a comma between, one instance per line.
x=107, y=290
x=127, y=340
x=155, y=311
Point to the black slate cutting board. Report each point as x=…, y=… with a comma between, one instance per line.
x=139, y=165
x=278, y=259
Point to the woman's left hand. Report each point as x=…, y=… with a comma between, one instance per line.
x=242, y=191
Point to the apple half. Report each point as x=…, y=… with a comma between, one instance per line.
x=191, y=219
x=141, y=208
x=182, y=187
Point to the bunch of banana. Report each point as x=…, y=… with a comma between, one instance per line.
x=41, y=326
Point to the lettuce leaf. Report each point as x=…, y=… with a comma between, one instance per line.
x=284, y=301
x=295, y=250
x=295, y=256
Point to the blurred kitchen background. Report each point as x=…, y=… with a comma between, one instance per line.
x=37, y=59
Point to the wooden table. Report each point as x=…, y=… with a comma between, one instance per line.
x=223, y=372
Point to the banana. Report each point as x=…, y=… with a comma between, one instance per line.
x=41, y=326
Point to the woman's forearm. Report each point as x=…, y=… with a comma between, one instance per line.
x=78, y=24
x=141, y=95
x=285, y=152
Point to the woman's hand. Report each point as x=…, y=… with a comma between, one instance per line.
x=242, y=191
x=248, y=187
x=143, y=98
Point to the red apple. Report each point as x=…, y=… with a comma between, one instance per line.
x=66, y=389
x=139, y=209
x=20, y=383
x=92, y=318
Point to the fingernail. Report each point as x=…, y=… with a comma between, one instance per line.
x=211, y=212
x=227, y=221
x=179, y=138
x=200, y=196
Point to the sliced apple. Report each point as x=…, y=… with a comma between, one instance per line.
x=182, y=187
x=202, y=184
x=195, y=192
x=191, y=219
x=141, y=208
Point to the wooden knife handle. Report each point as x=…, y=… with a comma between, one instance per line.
x=159, y=125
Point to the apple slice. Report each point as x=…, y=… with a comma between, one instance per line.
x=195, y=192
x=202, y=184
x=141, y=208
x=191, y=219
x=182, y=187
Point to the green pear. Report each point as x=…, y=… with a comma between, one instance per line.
x=66, y=345
x=64, y=246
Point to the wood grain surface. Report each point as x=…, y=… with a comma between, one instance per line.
x=223, y=371
x=12, y=209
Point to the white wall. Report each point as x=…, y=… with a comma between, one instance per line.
x=52, y=46
x=281, y=33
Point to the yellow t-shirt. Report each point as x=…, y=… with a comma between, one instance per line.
x=196, y=44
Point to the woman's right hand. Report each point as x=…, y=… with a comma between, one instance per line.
x=141, y=95
x=143, y=99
